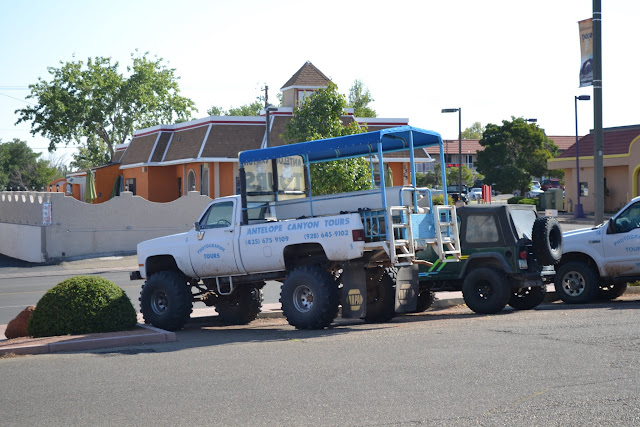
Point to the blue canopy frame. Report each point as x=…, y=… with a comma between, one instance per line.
x=401, y=138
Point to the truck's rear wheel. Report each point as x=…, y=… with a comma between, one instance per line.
x=381, y=292
x=309, y=297
x=576, y=283
x=166, y=300
x=242, y=306
x=528, y=298
x=485, y=290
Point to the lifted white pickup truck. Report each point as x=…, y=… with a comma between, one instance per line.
x=600, y=261
x=352, y=249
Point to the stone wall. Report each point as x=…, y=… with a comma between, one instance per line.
x=79, y=229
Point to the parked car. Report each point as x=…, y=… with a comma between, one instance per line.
x=534, y=192
x=598, y=262
x=551, y=183
x=454, y=192
x=475, y=194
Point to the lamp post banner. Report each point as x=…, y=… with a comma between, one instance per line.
x=586, y=52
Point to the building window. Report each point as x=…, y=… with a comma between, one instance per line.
x=204, y=179
x=191, y=181
x=179, y=187
x=130, y=185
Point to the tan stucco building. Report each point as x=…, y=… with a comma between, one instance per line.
x=621, y=153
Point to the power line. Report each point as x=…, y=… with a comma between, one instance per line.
x=13, y=97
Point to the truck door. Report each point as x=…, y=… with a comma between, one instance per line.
x=211, y=248
x=621, y=243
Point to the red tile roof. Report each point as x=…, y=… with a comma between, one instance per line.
x=615, y=141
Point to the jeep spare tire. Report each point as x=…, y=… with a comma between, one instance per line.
x=547, y=240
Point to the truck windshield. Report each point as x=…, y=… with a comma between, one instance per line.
x=523, y=220
x=260, y=183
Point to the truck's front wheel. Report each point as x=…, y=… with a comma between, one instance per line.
x=576, y=283
x=166, y=300
x=485, y=290
x=309, y=297
x=242, y=306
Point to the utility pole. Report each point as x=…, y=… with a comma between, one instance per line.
x=598, y=162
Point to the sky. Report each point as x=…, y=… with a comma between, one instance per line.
x=494, y=59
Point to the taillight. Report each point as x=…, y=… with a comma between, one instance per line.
x=357, y=235
x=522, y=262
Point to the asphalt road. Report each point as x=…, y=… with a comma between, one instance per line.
x=555, y=365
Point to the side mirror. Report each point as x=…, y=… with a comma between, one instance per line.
x=196, y=225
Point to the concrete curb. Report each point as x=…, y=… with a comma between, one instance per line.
x=90, y=342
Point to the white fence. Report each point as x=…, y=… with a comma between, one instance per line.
x=40, y=227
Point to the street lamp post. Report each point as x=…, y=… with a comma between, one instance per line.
x=459, y=111
x=578, y=212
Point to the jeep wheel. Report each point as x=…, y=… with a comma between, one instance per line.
x=166, y=300
x=425, y=300
x=547, y=240
x=528, y=298
x=242, y=306
x=576, y=283
x=309, y=297
x=485, y=290
x=612, y=290
x=381, y=293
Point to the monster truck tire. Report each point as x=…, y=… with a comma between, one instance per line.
x=485, y=290
x=166, y=300
x=242, y=306
x=576, y=283
x=381, y=295
x=547, y=240
x=612, y=290
x=528, y=298
x=309, y=297
x=425, y=300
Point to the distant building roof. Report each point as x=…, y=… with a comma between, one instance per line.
x=615, y=141
x=307, y=76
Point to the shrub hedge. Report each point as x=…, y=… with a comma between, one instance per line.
x=82, y=305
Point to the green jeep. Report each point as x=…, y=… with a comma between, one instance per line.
x=508, y=254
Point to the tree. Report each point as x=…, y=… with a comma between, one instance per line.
x=473, y=132
x=469, y=176
x=319, y=117
x=21, y=168
x=433, y=178
x=513, y=153
x=252, y=109
x=94, y=100
x=215, y=111
x=359, y=99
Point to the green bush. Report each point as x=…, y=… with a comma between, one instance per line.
x=82, y=305
x=514, y=200
x=439, y=200
x=525, y=201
